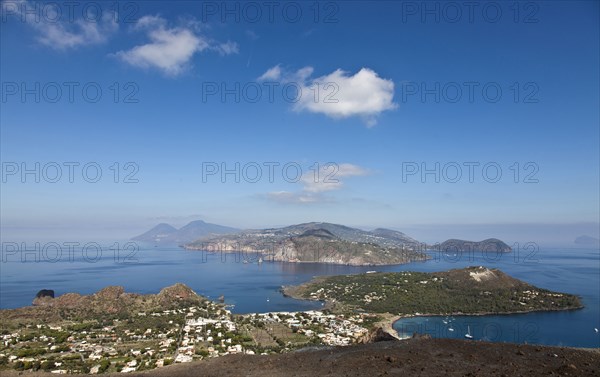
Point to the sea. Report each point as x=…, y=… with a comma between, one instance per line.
x=249, y=286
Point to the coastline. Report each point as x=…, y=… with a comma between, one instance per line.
x=479, y=314
x=388, y=319
x=269, y=257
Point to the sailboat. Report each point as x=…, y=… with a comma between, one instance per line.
x=468, y=334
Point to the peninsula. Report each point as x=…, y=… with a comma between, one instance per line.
x=472, y=290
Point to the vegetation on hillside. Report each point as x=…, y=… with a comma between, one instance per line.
x=473, y=290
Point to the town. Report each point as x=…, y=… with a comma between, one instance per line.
x=156, y=339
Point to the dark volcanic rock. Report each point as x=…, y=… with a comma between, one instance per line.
x=413, y=357
x=380, y=335
x=45, y=293
x=417, y=335
x=44, y=297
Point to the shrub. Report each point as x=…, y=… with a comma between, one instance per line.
x=30, y=352
x=104, y=365
x=47, y=365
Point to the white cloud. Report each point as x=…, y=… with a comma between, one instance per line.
x=329, y=177
x=364, y=94
x=228, y=48
x=303, y=74
x=315, y=183
x=340, y=95
x=59, y=32
x=294, y=198
x=272, y=74
x=150, y=22
x=171, y=49
x=252, y=34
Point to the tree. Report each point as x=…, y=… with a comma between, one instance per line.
x=104, y=365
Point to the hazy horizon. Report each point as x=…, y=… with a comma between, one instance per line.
x=434, y=128
x=558, y=235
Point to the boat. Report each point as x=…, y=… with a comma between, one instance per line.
x=260, y=260
x=450, y=329
x=596, y=329
x=468, y=334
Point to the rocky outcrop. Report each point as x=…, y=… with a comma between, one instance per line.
x=112, y=300
x=45, y=293
x=379, y=334
x=175, y=294
x=44, y=297
x=417, y=335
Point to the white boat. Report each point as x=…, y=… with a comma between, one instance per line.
x=260, y=260
x=450, y=329
x=595, y=329
x=468, y=334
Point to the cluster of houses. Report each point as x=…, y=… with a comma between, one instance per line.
x=529, y=295
x=333, y=330
x=208, y=331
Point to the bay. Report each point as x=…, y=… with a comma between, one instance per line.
x=254, y=287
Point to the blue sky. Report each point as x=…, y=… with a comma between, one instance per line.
x=377, y=66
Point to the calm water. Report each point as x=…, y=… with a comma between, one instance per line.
x=255, y=287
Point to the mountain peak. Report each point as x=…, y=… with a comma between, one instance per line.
x=192, y=231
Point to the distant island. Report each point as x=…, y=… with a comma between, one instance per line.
x=487, y=245
x=314, y=242
x=587, y=241
x=319, y=243
x=165, y=233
